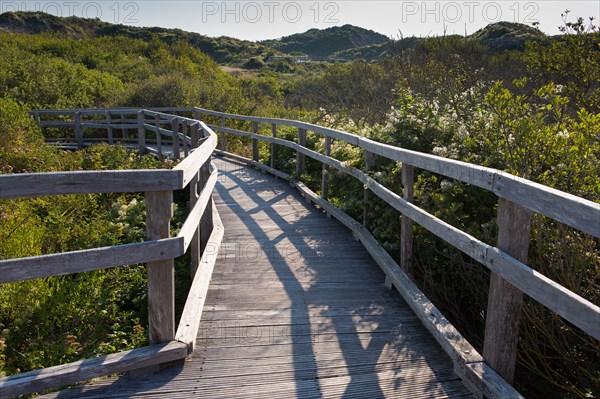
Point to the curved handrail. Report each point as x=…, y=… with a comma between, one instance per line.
x=202, y=231
x=566, y=208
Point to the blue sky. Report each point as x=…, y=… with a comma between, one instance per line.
x=268, y=19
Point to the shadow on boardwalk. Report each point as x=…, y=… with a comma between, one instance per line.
x=296, y=308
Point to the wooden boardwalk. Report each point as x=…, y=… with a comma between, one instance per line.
x=296, y=309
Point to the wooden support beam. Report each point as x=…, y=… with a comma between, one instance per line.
x=175, y=134
x=141, y=132
x=161, y=274
x=406, y=236
x=123, y=127
x=505, y=301
x=186, y=148
x=255, y=142
x=194, y=129
x=369, y=158
x=195, y=251
x=274, y=135
x=300, y=157
x=325, y=173
x=158, y=135
x=78, y=130
x=206, y=222
x=109, y=130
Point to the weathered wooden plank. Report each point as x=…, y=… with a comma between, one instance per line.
x=161, y=278
x=190, y=166
x=191, y=223
x=567, y=304
x=195, y=250
x=569, y=209
x=175, y=135
x=325, y=172
x=109, y=129
x=369, y=162
x=255, y=141
x=78, y=130
x=503, y=316
x=481, y=378
x=300, y=157
x=87, y=182
x=406, y=224
x=90, y=259
x=39, y=380
x=273, y=149
x=141, y=133
x=206, y=221
x=189, y=323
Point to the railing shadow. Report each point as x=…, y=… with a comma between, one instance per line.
x=360, y=336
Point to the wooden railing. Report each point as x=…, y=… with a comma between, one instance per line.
x=201, y=232
x=486, y=375
x=510, y=276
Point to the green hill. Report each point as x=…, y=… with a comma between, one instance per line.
x=221, y=49
x=323, y=43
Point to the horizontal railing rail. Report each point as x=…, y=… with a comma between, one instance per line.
x=201, y=233
x=518, y=198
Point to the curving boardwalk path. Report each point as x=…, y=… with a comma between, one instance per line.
x=296, y=309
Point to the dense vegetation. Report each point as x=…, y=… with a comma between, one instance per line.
x=531, y=109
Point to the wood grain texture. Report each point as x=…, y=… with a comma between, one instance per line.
x=191, y=164
x=195, y=250
x=206, y=221
x=187, y=331
x=175, y=135
x=89, y=259
x=503, y=317
x=190, y=226
x=87, y=182
x=406, y=224
x=161, y=278
x=38, y=380
x=300, y=157
x=255, y=141
x=141, y=133
x=325, y=172
x=287, y=315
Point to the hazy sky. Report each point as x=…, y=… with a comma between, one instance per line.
x=256, y=20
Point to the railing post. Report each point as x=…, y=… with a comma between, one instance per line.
x=274, y=134
x=158, y=135
x=255, y=142
x=504, y=300
x=194, y=134
x=123, y=127
x=223, y=136
x=325, y=173
x=161, y=278
x=300, y=157
x=368, y=166
x=109, y=130
x=141, y=132
x=175, y=132
x=186, y=149
x=206, y=222
x=195, y=250
x=78, y=130
x=406, y=236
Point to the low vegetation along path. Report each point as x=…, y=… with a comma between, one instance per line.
x=296, y=308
